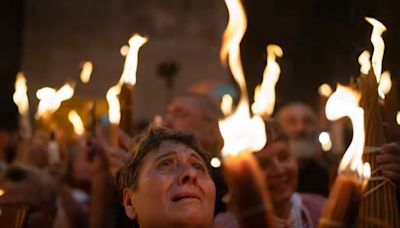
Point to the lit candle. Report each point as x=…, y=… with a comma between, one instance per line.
x=87, y=68
x=346, y=193
x=264, y=94
x=243, y=134
x=128, y=81
x=114, y=113
x=76, y=122
x=20, y=98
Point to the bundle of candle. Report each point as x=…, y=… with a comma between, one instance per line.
x=379, y=203
x=13, y=216
x=345, y=195
x=243, y=134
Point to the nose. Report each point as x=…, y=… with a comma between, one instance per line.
x=188, y=175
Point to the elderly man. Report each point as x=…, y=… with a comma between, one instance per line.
x=199, y=114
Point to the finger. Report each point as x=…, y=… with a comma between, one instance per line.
x=392, y=148
x=393, y=176
x=388, y=158
x=390, y=167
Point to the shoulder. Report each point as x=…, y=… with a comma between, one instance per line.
x=314, y=204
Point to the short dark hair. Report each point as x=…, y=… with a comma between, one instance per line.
x=148, y=141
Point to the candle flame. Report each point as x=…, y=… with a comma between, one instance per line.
x=379, y=46
x=77, y=123
x=344, y=102
x=325, y=90
x=226, y=104
x=398, y=118
x=124, y=50
x=114, y=113
x=264, y=95
x=240, y=131
x=385, y=84
x=50, y=99
x=364, y=62
x=131, y=61
x=325, y=140
x=20, y=96
x=87, y=68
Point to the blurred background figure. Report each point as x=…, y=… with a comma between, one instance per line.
x=28, y=187
x=199, y=114
x=9, y=134
x=300, y=123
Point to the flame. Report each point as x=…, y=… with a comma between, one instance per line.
x=20, y=97
x=385, y=84
x=76, y=121
x=50, y=99
x=240, y=131
x=226, y=104
x=325, y=140
x=264, y=95
x=364, y=62
x=124, y=50
x=325, y=90
x=114, y=113
x=87, y=68
x=379, y=46
x=131, y=61
x=398, y=118
x=344, y=102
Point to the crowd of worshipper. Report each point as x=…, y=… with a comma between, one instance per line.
x=162, y=176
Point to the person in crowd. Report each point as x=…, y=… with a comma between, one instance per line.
x=300, y=123
x=26, y=186
x=166, y=181
x=199, y=114
x=297, y=120
x=9, y=135
x=279, y=164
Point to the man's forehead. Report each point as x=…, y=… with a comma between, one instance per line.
x=297, y=111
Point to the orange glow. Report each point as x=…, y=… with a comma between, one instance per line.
x=114, y=113
x=264, y=95
x=364, y=62
x=87, y=68
x=131, y=61
x=385, y=84
x=77, y=123
x=325, y=90
x=344, y=103
x=379, y=46
x=50, y=99
x=20, y=96
x=240, y=131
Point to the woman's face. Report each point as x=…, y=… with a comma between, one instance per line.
x=174, y=189
x=280, y=168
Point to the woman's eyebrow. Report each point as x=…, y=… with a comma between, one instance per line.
x=165, y=155
x=197, y=157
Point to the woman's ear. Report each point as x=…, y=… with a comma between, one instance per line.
x=129, y=206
